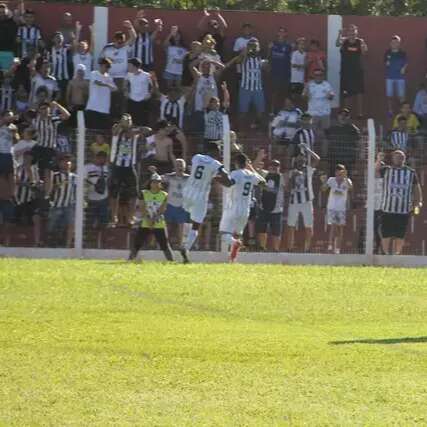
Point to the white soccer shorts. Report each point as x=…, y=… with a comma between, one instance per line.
x=305, y=209
x=231, y=223
x=196, y=208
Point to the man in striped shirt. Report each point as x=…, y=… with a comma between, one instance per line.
x=62, y=192
x=60, y=61
x=251, y=92
x=29, y=36
x=46, y=126
x=399, y=136
x=401, y=195
x=143, y=45
x=300, y=186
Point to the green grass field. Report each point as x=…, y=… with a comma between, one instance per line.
x=97, y=343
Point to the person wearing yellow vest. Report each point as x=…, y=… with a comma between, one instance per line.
x=153, y=205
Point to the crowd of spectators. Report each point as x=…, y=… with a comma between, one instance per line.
x=142, y=120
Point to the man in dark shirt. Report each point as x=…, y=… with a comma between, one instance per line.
x=8, y=33
x=343, y=142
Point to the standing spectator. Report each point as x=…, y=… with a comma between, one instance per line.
x=123, y=158
x=175, y=214
x=280, y=51
x=214, y=116
x=6, y=208
x=143, y=45
x=100, y=88
x=300, y=186
x=46, y=126
x=153, y=205
x=271, y=207
x=420, y=105
x=401, y=195
x=352, y=75
x=8, y=137
x=77, y=92
x=287, y=121
x=338, y=186
x=60, y=61
x=96, y=176
x=319, y=93
x=8, y=33
x=43, y=79
x=63, y=184
x=378, y=194
x=117, y=52
x=191, y=59
x=29, y=196
x=214, y=23
x=82, y=52
x=298, y=65
x=29, y=37
x=304, y=136
x=139, y=90
x=343, y=142
x=175, y=53
x=412, y=122
x=24, y=145
x=396, y=63
x=399, y=136
x=67, y=28
x=209, y=52
x=316, y=59
x=241, y=43
x=251, y=92
x=172, y=107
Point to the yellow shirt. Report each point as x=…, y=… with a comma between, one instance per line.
x=96, y=148
x=412, y=123
x=153, y=202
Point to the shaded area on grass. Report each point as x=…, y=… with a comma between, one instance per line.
x=403, y=340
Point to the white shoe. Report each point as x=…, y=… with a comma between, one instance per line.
x=337, y=251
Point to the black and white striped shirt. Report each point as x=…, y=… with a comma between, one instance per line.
x=143, y=48
x=24, y=192
x=28, y=38
x=398, y=186
x=214, y=125
x=305, y=136
x=399, y=139
x=124, y=151
x=302, y=186
x=251, y=74
x=59, y=61
x=172, y=111
x=64, y=189
x=47, y=130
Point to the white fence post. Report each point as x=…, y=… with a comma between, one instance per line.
x=78, y=224
x=370, y=189
x=226, y=159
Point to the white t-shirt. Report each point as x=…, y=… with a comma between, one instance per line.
x=176, y=185
x=6, y=140
x=99, y=96
x=338, y=193
x=38, y=81
x=318, y=103
x=92, y=174
x=204, y=86
x=139, y=85
x=20, y=148
x=297, y=74
x=239, y=195
x=119, y=58
x=85, y=59
x=378, y=193
x=203, y=169
x=175, y=56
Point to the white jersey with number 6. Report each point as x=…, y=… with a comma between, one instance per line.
x=196, y=191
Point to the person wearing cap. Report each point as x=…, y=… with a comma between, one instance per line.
x=152, y=204
x=270, y=214
x=77, y=92
x=343, y=140
x=138, y=92
x=396, y=63
x=98, y=106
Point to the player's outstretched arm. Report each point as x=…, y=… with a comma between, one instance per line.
x=225, y=179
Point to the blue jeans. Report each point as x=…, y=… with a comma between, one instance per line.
x=60, y=218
